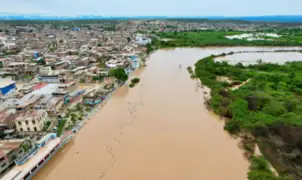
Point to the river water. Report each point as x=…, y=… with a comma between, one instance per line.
x=268, y=57
x=158, y=130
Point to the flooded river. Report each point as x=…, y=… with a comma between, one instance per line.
x=159, y=130
x=268, y=57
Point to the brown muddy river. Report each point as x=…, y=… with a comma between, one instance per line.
x=159, y=130
x=268, y=57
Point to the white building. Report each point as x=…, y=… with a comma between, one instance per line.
x=31, y=121
x=142, y=40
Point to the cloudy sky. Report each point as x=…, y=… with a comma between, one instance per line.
x=153, y=7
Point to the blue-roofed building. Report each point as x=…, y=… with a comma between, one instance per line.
x=36, y=54
x=6, y=86
x=76, y=29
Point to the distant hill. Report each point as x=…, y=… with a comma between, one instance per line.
x=273, y=18
x=277, y=18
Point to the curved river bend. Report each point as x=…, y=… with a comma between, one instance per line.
x=159, y=130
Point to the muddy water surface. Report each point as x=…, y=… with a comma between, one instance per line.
x=159, y=130
x=268, y=57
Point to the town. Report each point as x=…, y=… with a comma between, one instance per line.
x=54, y=75
x=52, y=79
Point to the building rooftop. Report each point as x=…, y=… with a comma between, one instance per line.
x=28, y=99
x=5, y=82
x=29, y=115
x=19, y=171
x=5, y=114
x=9, y=145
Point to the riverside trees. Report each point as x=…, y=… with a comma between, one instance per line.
x=267, y=106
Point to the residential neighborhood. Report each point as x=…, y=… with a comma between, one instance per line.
x=51, y=79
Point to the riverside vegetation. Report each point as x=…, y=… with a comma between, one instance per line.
x=288, y=37
x=134, y=81
x=266, y=109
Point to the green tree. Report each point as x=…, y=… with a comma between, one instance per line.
x=128, y=39
x=119, y=74
x=239, y=109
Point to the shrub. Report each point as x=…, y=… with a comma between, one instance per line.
x=190, y=70
x=119, y=74
x=193, y=76
x=232, y=126
x=46, y=125
x=135, y=80
x=131, y=85
x=260, y=164
x=260, y=175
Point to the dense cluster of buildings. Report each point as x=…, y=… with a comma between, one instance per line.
x=44, y=70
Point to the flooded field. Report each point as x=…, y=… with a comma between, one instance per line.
x=254, y=57
x=159, y=130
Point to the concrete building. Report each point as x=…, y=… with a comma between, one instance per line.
x=9, y=151
x=50, y=78
x=6, y=119
x=6, y=86
x=31, y=121
x=6, y=61
x=141, y=40
x=22, y=67
x=28, y=101
x=51, y=104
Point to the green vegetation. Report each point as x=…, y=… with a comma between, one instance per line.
x=98, y=77
x=26, y=146
x=266, y=105
x=260, y=170
x=46, y=126
x=74, y=115
x=27, y=77
x=273, y=91
x=217, y=38
x=134, y=81
x=60, y=127
x=190, y=70
x=41, y=62
x=11, y=52
x=101, y=64
x=119, y=74
x=192, y=74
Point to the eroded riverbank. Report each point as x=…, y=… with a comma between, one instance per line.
x=158, y=130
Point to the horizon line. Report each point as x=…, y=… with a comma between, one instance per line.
x=49, y=15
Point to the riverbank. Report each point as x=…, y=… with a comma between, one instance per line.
x=171, y=134
x=220, y=38
x=166, y=136
x=258, y=111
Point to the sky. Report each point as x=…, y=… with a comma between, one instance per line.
x=152, y=7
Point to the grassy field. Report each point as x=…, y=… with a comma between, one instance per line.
x=218, y=38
